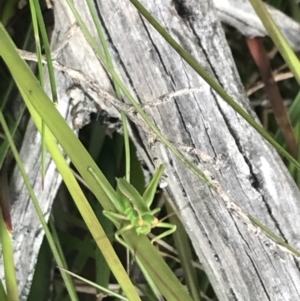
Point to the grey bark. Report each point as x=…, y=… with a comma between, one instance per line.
x=242, y=264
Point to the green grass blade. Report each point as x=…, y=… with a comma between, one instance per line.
x=38, y=46
x=150, y=282
x=11, y=86
x=5, y=145
x=46, y=45
x=8, y=11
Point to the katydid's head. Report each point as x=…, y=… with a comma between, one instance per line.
x=145, y=229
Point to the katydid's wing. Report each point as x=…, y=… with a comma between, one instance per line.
x=132, y=195
x=150, y=191
x=123, y=201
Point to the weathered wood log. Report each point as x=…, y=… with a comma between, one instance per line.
x=242, y=264
x=241, y=15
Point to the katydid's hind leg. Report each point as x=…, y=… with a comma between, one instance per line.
x=154, y=211
x=171, y=229
x=114, y=217
x=120, y=240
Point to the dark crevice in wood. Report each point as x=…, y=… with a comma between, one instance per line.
x=139, y=139
x=194, y=212
x=157, y=51
x=253, y=179
x=212, y=70
x=182, y=10
x=117, y=56
x=233, y=295
x=297, y=263
x=255, y=182
x=277, y=225
x=258, y=275
x=183, y=192
x=106, y=32
x=182, y=119
x=39, y=230
x=127, y=75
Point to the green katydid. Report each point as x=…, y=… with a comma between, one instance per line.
x=134, y=209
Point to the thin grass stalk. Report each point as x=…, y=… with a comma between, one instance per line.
x=38, y=46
